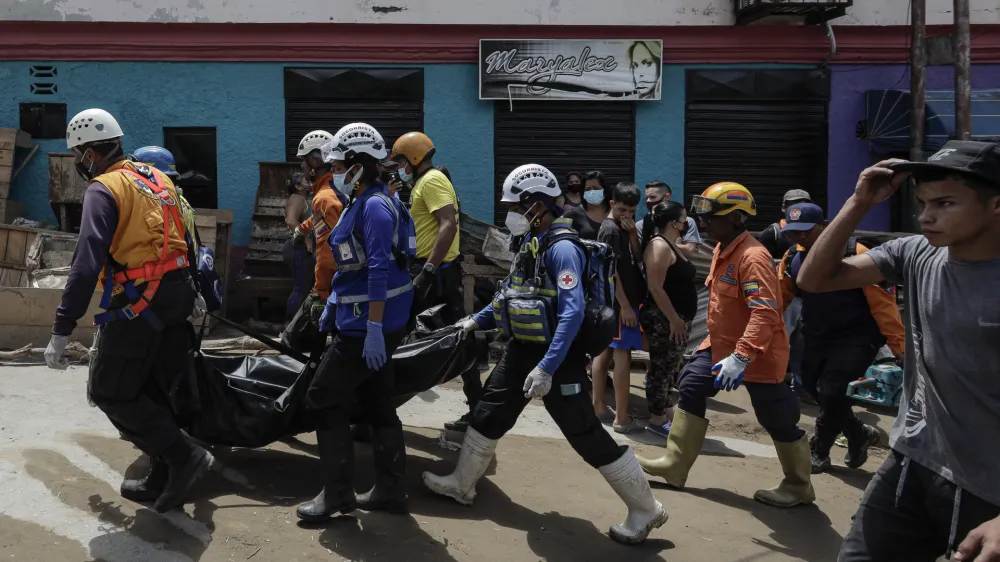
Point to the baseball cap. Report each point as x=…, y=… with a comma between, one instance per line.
x=796, y=195
x=802, y=216
x=968, y=158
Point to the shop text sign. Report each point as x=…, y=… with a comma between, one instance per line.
x=574, y=69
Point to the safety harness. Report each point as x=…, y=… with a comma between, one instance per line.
x=117, y=275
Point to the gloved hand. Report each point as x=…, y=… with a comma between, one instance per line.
x=200, y=308
x=729, y=372
x=316, y=308
x=54, y=353
x=328, y=320
x=422, y=285
x=298, y=239
x=374, y=352
x=538, y=383
x=468, y=325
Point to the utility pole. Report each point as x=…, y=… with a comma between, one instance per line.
x=918, y=79
x=963, y=88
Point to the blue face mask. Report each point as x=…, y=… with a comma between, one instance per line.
x=404, y=175
x=594, y=197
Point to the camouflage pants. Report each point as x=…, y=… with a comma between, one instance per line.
x=665, y=358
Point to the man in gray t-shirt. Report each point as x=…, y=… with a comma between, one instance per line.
x=938, y=492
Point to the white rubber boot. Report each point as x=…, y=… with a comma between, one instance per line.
x=477, y=451
x=644, y=513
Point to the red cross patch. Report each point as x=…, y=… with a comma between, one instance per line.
x=567, y=279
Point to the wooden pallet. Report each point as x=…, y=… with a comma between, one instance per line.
x=14, y=244
x=10, y=140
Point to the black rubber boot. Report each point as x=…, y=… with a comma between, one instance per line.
x=336, y=457
x=460, y=425
x=819, y=452
x=859, y=440
x=389, y=492
x=149, y=487
x=187, y=464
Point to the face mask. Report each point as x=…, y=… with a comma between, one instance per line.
x=516, y=223
x=343, y=185
x=404, y=175
x=594, y=197
x=574, y=188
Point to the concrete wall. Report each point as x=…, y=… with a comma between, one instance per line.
x=849, y=155
x=508, y=12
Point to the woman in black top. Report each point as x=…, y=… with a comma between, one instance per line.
x=671, y=304
x=587, y=218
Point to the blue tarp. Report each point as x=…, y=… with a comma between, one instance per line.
x=888, y=119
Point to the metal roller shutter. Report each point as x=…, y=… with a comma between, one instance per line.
x=564, y=137
x=392, y=118
x=764, y=129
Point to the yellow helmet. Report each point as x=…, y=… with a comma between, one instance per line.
x=722, y=199
x=415, y=147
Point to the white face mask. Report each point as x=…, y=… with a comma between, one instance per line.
x=344, y=186
x=516, y=223
x=404, y=175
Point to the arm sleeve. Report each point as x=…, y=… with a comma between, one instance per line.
x=97, y=228
x=437, y=193
x=326, y=210
x=565, y=258
x=889, y=258
x=760, y=290
x=786, y=283
x=692, y=234
x=885, y=311
x=379, y=223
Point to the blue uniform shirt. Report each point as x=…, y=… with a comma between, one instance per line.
x=566, y=263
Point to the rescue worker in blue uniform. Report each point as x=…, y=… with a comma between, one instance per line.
x=541, y=307
x=132, y=241
x=370, y=300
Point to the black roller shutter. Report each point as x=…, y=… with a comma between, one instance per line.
x=392, y=118
x=564, y=137
x=766, y=129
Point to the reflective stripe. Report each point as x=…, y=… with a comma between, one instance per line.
x=528, y=311
x=349, y=299
x=527, y=326
x=762, y=303
x=536, y=339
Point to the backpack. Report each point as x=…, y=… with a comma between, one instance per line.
x=850, y=250
x=600, y=323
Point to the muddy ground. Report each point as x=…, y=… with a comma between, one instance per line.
x=61, y=462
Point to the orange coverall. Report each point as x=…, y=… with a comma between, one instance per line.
x=326, y=208
x=744, y=310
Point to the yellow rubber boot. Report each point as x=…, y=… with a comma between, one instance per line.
x=687, y=434
x=796, y=488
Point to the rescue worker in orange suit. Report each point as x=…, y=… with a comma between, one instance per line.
x=132, y=241
x=843, y=331
x=746, y=337
x=327, y=205
x=437, y=273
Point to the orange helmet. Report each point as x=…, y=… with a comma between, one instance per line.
x=415, y=147
x=724, y=198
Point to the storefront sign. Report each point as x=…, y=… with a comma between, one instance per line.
x=573, y=69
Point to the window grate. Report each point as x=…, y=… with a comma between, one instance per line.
x=43, y=72
x=44, y=88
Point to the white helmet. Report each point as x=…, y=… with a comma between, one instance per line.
x=354, y=139
x=529, y=179
x=92, y=125
x=313, y=141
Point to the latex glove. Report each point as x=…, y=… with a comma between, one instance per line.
x=422, y=285
x=729, y=372
x=374, y=352
x=54, y=353
x=298, y=239
x=467, y=325
x=200, y=308
x=538, y=383
x=328, y=320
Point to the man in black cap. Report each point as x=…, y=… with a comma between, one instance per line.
x=843, y=332
x=771, y=236
x=937, y=492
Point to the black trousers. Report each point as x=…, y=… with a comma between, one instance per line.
x=447, y=290
x=343, y=377
x=918, y=521
x=137, y=366
x=568, y=402
x=827, y=368
x=775, y=405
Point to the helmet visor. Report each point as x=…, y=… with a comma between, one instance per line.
x=701, y=205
